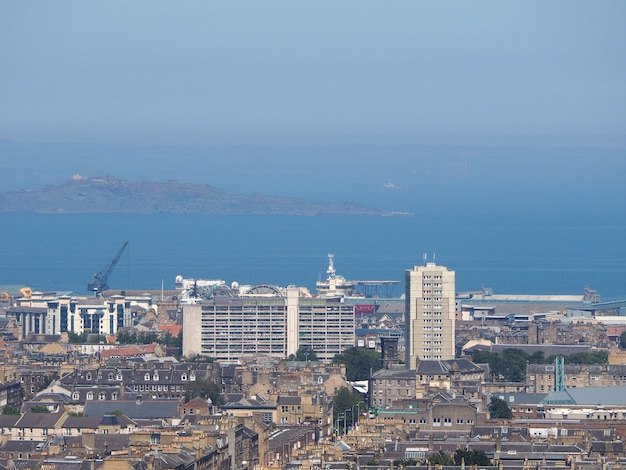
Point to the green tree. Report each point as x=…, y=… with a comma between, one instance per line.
x=405, y=462
x=171, y=341
x=344, y=399
x=507, y=366
x=75, y=338
x=204, y=389
x=39, y=409
x=440, y=458
x=471, y=457
x=10, y=410
x=537, y=357
x=304, y=353
x=359, y=362
x=499, y=409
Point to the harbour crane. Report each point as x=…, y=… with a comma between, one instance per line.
x=99, y=284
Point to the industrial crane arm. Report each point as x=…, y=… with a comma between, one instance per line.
x=100, y=279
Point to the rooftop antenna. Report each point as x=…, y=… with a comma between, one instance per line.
x=434, y=257
x=425, y=258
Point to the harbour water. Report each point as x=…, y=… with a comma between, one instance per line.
x=531, y=254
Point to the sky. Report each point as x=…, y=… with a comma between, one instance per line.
x=491, y=108
x=246, y=72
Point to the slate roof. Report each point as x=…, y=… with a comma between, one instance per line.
x=432, y=367
x=81, y=422
x=401, y=373
x=8, y=421
x=19, y=464
x=592, y=396
x=185, y=457
x=288, y=400
x=20, y=446
x=69, y=464
x=39, y=420
x=112, y=442
x=463, y=364
x=133, y=409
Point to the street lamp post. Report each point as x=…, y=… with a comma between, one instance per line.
x=345, y=428
x=358, y=407
x=340, y=417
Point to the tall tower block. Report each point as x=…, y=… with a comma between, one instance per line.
x=429, y=311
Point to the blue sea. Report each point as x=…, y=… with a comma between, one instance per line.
x=525, y=254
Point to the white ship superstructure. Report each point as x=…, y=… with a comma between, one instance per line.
x=336, y=285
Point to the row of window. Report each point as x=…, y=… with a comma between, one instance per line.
x=147, y=376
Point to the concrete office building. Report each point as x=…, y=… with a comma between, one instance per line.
x=430, y=314
x=227, y=328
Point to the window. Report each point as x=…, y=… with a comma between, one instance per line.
x=102, y=396
x=89, y=395
x=75, y=396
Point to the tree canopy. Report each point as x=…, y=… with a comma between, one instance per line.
x=344, y=399
x=359, y=362
x=303, y=354
x=441, y=458
x=499, y=409
x=204, y=389
x=85, y=337
x=10, y=410
x=510, y=364
x=39, y=409
x=149, y=337
x=471, y=457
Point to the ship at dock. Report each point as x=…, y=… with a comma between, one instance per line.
x=336, y=285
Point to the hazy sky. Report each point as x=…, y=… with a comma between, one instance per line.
x=250, y=71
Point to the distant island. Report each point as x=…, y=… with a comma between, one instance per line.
x=112, y=195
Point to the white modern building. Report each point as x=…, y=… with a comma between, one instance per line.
x=430, y=313
x=51, y=314
x=277, y=323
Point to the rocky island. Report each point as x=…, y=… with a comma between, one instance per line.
x=112, y=195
